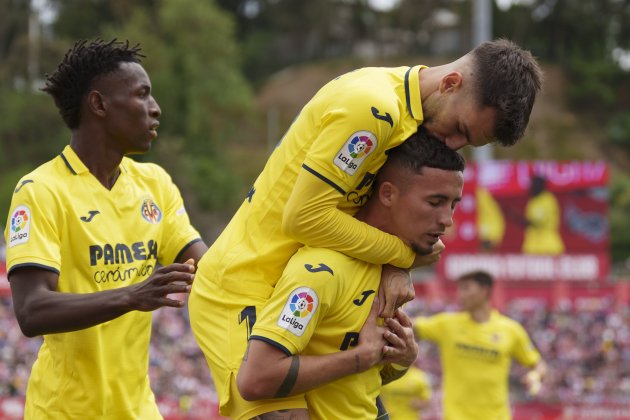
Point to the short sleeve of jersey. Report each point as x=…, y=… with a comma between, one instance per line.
x=524, y=351
x=350, y=136
x=300, y=300
x=430, y=328
x=31, y=233
x=178, y=232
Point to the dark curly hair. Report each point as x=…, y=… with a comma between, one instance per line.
x=420, y=150
x=81, y=66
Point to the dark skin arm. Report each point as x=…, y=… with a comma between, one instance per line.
x=194, y=252
x=41, y=309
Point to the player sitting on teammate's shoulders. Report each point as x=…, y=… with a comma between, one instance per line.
x=316, y=335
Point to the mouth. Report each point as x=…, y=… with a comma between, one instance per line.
x=153, y=129
x=434, y=237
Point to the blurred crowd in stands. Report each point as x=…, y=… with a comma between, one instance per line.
x=587, y=349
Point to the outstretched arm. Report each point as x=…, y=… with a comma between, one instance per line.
x=534, y=378
x=41, y=309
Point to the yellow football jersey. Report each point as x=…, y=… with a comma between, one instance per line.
x=398, y=396
x=319, y=307
x=476, y=359
x=542, y=236
x=63, y=220
x=339, y=140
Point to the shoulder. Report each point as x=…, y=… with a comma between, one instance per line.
x=508, y=323
x=442, y=318
x=366, y=86
x=43, y=180
x=312, y=259
x=144, y=169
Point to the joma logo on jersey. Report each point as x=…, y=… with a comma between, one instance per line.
x=122, y=253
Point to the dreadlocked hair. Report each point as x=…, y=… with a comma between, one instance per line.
x=81, y=66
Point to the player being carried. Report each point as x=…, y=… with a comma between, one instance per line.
x=322, y=172
x=318, y=349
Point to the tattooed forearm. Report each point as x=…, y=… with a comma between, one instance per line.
x=389, y=374
x=289, y=381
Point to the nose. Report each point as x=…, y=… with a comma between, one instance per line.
x=446, y=218
x=456, y=142
x=154, y=108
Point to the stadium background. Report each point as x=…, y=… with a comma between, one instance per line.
x=231, y=75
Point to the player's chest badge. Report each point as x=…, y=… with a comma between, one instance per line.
x=150, y=211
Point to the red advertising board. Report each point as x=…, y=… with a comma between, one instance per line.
x=531, y=221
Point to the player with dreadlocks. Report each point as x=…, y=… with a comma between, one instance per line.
x=85, y=233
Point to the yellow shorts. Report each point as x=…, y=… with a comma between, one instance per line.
x=222, y=322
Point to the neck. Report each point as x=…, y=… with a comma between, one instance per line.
x=481, y=313
x=373, y=215
x=431, y=77
x=102, y=162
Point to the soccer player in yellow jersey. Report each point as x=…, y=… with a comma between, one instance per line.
x=322, y=171
x=542, y=220
x=477, y=346
x=406, y=397
x=85, y=234
x=309, y=337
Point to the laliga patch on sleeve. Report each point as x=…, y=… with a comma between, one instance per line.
x=355, y=150
x=20, y=226
x=298, y=310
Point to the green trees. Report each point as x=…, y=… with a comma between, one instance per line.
x=195, y=68
x=194, y=64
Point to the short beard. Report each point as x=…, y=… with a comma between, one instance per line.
x=421, y=251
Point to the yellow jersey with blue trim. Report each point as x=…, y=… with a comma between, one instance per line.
x=63, y=220
x=318, y=307
x=326, y=161
x=476, y=359
x=400, y=395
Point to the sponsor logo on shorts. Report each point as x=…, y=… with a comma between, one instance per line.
x=298, y=311
x=20, y=228
x=354, y=151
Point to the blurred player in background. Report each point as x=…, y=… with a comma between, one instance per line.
x=542, y=220
x=324, y=297
x=477, y=346
x=407, y=397
x=322, y=171
x=85, y=233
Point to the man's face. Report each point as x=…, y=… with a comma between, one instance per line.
x=470, y=294
x=424, y=205
x=455, y=118
x=131, y=111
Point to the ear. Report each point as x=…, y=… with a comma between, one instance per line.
x=388, y=193
x=451, y=82
x=96, y=103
